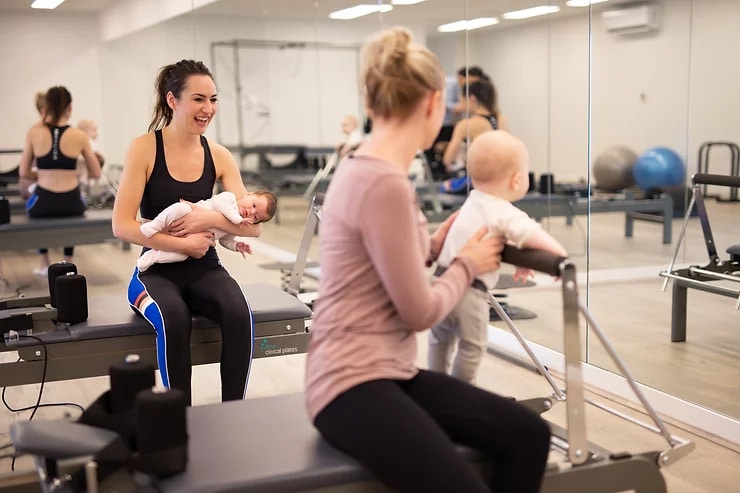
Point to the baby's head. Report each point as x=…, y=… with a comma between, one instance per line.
x=498, y=163
x=258, y=206
x=349, y=124
x=89, y=127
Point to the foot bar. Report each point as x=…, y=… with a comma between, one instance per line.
x=719, y=180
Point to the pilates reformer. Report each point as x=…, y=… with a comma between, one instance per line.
x=25, y=233
x=540, y=206
x=113, y=330
x=268, y=445
x=702, y=278
x=600, y=465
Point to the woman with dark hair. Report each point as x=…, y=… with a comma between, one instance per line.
x=55, y=145
x=174, y=161
x=484, y=115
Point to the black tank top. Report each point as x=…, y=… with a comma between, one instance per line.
x=162, y=190
x=55, y=159
x=491, y=119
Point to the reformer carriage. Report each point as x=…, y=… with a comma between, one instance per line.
x=278, y=450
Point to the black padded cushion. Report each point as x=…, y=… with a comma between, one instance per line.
x=111, y=316
x=92, y=218
x=58, y=439
x=734, y=249
x=262, y=445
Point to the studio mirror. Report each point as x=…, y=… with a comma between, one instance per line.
x=536, y=57
x=664, y=108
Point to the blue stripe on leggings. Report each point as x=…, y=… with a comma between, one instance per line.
x=150, y=310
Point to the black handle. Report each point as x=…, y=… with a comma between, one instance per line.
x=533, y=259
x=720, y=180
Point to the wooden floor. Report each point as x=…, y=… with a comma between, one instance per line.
x=624, y=296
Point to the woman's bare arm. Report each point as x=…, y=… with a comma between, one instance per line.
x=128, y=199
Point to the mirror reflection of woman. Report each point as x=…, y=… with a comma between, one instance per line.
x=55, y=146
x=484, y=115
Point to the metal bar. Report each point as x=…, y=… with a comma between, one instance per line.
x=299, y=267
x=632, y=420
x=626, y=374
x=212, y=50
x=678, y=312
x=706, y=228
x=716, y=275
x=687, y=216
x=702, y=285
x=505, y=317
x=238, y=94
x=321, y=174
x=575, y=404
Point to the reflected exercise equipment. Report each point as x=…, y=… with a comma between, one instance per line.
x=702, y=278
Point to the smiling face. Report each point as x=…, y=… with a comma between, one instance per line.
x=254, y=207
x=197, y=104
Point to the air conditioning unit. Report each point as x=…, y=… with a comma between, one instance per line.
x=631, y=19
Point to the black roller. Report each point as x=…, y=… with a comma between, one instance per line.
x=71, y=298
x=719, y=180
x=127, y=379
x=55, y=270
x=161, y=432
x=533, y=259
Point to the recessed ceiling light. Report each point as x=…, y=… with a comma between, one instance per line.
x=359, y=11
x=467, y=25
x=46, y=4
x=405, y=2
x=533, y=12
x=583, y=3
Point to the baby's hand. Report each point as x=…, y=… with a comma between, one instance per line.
x=523, y=275
x=246, y=221
x=243, y=248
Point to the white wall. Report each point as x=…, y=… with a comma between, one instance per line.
x=308, y=91
x=39, y=50
x=675, y=88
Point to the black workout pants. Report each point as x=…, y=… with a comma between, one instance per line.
x=168, y=294
x=405, y=433
x=44, y=203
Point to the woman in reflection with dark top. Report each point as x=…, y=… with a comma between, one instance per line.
x=55, y=145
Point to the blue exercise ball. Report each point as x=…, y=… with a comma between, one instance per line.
x=659, y=167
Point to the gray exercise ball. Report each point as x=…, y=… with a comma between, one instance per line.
x=612, y=169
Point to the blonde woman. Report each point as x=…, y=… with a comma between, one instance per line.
x=364, y=392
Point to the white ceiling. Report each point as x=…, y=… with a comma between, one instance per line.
x=430, y=12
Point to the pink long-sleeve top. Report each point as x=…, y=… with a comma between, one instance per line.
x=374, y=292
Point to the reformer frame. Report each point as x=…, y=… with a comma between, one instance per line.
x=113, y=331
x=236, y=44
x=306, y=463
x=700, y=277
x=640, y=476
x=592, y=468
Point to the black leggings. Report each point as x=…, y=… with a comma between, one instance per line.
x=45, y=203
x=405, y=433
x=167, y=294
